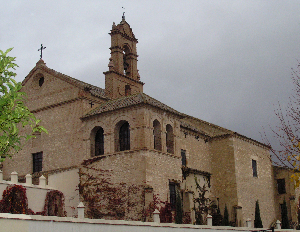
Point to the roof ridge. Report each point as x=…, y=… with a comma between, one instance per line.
x=208, y=123
x=127, y=101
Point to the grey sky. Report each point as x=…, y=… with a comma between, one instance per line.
x=226, y=62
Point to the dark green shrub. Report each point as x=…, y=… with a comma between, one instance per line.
x=284, y=216
x=226, y=217
x=257, y=220
x=179, y=212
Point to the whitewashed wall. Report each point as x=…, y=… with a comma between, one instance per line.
x=36, y=194
x=67, y=182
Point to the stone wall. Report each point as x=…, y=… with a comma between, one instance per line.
x=250, y=188
x=291, y=195
x=223, y=179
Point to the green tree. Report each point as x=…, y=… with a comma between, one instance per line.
x=284, y=216
x=179, y=211
x=257, y=220
x=13, y=112
x=226, y=217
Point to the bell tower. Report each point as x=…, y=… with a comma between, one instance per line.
x=122, y=78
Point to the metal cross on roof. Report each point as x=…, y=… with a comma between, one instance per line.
x=91, y=103
x=41, y=49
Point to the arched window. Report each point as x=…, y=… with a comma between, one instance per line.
x=157, y=135
x=99, y=142
x=124, y=137
x=170, y=139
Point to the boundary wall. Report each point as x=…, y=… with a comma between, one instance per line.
x=34, y=223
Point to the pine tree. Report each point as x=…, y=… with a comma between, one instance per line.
x=179, y=212
x=226, y=217
x=284, y=216
x=257, y=220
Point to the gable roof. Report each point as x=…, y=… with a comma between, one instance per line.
x=127, y=101
x=41, y=65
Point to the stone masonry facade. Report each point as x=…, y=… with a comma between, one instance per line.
x=141, y=140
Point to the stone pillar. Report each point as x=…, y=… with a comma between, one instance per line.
x=28, y=179
x=248, y=222
x=209, y=220
x=278, y=224
x=80, y=209
x=1, y=176
x=42, y=182
x=14, y=177
x=156, y=216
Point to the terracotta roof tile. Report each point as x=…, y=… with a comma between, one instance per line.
x=127, y=101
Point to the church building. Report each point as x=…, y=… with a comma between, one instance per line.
x=137, y=140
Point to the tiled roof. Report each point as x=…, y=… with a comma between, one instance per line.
x=127, y=101
x=94, y=90
x=204, y=127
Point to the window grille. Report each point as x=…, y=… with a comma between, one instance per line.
x=99, y=142
x=37, y=162
x=124, y=137
x=254, y=168
x=281, y=186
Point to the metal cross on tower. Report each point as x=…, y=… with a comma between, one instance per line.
x=123, y=17
x=41, y=49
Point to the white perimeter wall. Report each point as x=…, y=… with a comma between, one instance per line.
x=36, y=196
x=32, y=223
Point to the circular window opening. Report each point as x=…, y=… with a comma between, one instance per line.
x=41, y=81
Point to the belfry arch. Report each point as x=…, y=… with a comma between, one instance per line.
x=126, y=60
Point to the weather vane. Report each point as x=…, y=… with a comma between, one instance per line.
x=41, y=49
x=123, y=17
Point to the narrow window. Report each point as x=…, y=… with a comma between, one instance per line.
x=37, y=162
x=254, y=168
x=124, y=137
x=281, y=186
x=183, y=157
x=172, y=188
x=170, y=139
x=157, y=135
x=127, y=90
x=99, y=142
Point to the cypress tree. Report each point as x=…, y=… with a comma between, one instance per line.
x=298, y=227
x=179, y=212
x=284, y=216
x=257, y=220
x=226, y=217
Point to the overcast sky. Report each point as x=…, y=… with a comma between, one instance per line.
x=225, y=62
